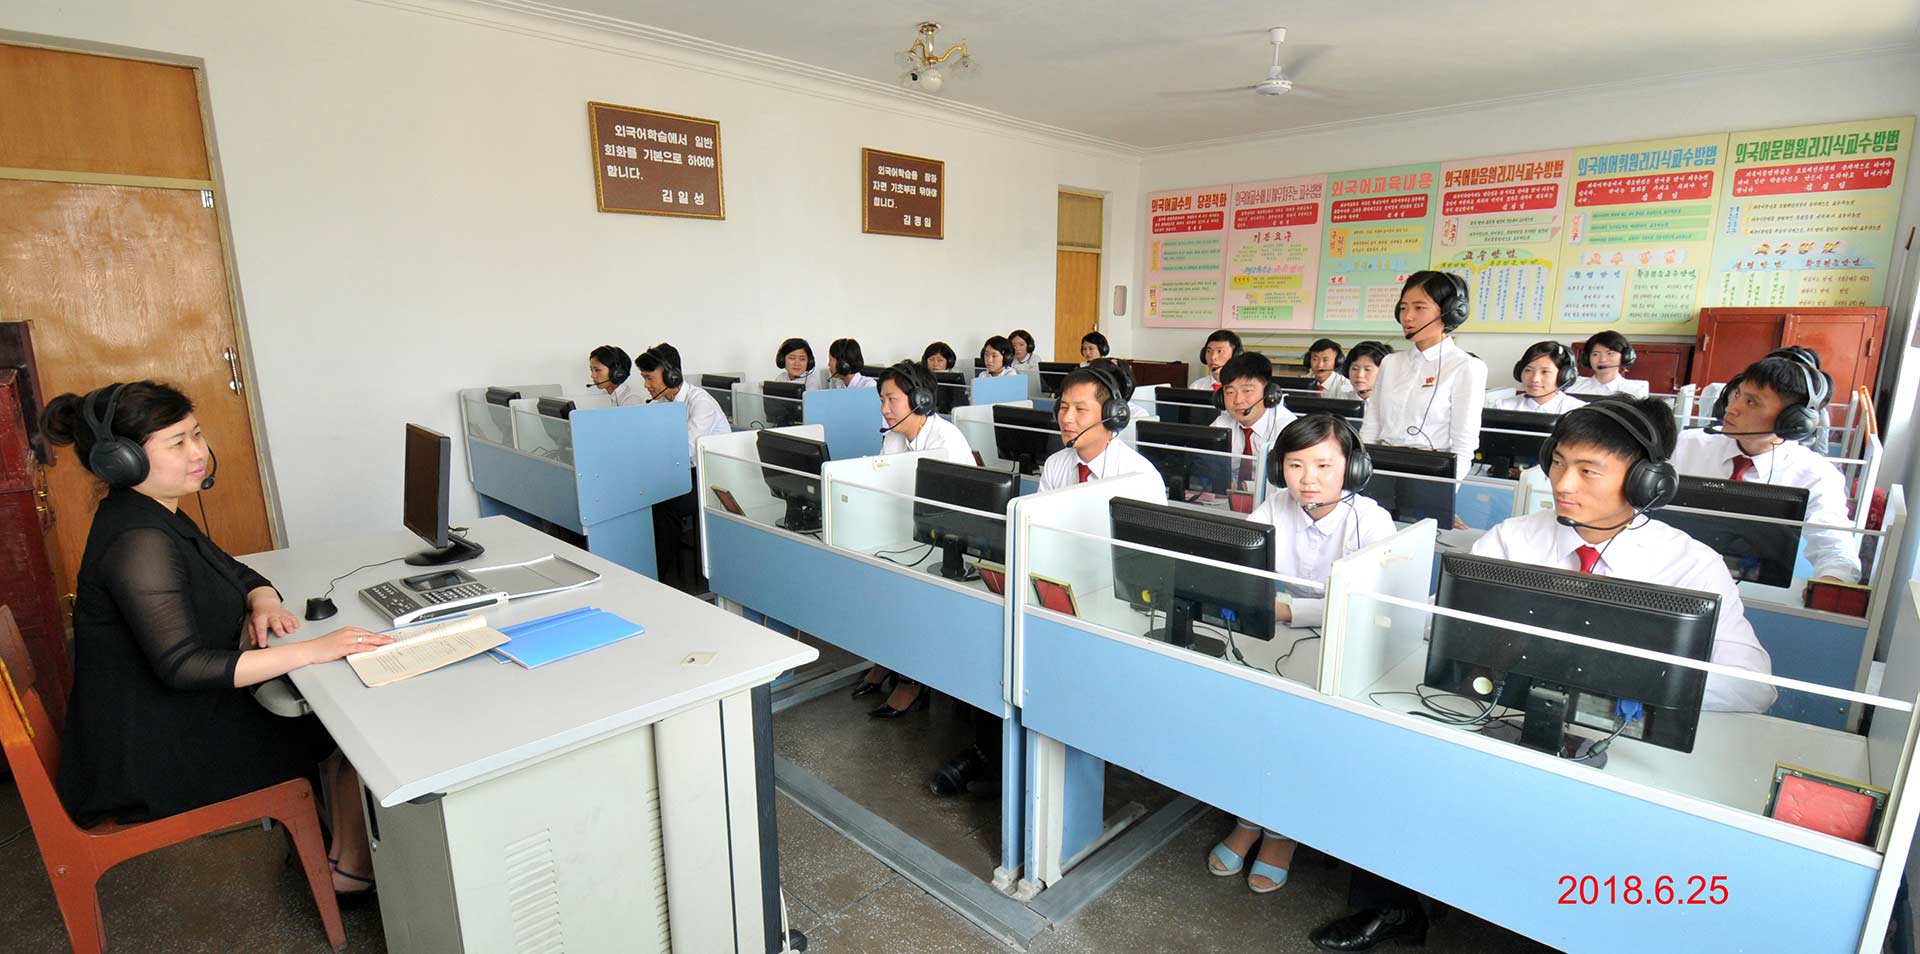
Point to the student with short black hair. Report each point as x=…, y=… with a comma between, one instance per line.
x=1094, y=449
x=1544, y=371
x=608, y=369
x=939, y=356
x=1220, y=348
x=665, y=383
x=1093, y=346
x=1765, y=416
x=794, y=359
x=1323, y=364
x=1608, y=355
x=996, y=358
x=1024, y=358
x=1362, y=366
x=1252, y=409
x=1431, y=396
x=844, y=360
x=676, y=539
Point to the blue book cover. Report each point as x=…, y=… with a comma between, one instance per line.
x=538, y=642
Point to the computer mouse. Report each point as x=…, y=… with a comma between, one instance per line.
x=320, y=607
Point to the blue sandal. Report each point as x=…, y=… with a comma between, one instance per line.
x=1273, y=873
x=1230, y=863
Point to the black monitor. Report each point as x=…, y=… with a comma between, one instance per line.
x=1407, y=498
x=783, y=402
x=1025, y=436
x=1288, y=382
x=1506, y=453
x=556, y=408
x=553, y=411
x=1351, y=409
x=1052, y=373
x=1557, y=682
x=872, y=370
x=1761, y=552
x=720, y=386
x=949, y=391
x=501, y=396
x=1185, y=406
x=1193, y=593
x=423, y=509
x=1183, y=470
x=955, y=533
x=802, y=494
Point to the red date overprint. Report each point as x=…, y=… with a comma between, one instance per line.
x=1632, y=889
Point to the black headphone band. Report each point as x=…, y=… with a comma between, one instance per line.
x=1638, y=428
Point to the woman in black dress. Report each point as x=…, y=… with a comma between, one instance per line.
x=168, y=629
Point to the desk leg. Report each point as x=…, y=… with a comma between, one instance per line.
x=1066, y=795
x=1013, y=764
x=721, y=900
x=626, y=540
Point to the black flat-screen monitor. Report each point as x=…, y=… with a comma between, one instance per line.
x=554, y=413
x=802, y=493
x=1184, y=471
x=1194, y=594
x=1025, y=436
x=423, y=507
x=1507, y=453
x=949, y=391
x=1185, y=406
x=720, y=386
x=1351, y=409
x=1397, y=483
x=1289, y=382
x=501, y=396
x=1763, y=553
x=872, y=370
x=958, y=534
x=1052, y=373
x=782, y=402
x=1557, y=682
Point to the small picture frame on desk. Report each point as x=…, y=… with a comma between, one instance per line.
x=725, y=497
x=1055, y=595
x=1826, y=803
x=994, y=576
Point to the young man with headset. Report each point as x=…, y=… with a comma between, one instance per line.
x=1430, y=396
x=1545, y=372
x=1323, y=359
x=1608, y=355
x=1092, y=411
x=1250, y=403
x=1221, y=347
x=1761, y=425
x=676, y=541
x=660, y=373
x=1608, y=464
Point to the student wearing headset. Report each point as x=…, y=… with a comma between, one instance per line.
x=1545, y=371
x=1608, y=466
x=1430, y=396
x=1221, y=347
x=660, y=374
x=844, y=360
x=609, y=369
x=676, y=540
x=1321, y=518
x=1251, y=407
x=795, y=362
x=1362, y=366
x=1323, y=361
x=996, y=358
x=1765, y=416
x=1608, y=355
x=1023, y=357
x=939, y=356
x=1093, y=347
x=1092, y=411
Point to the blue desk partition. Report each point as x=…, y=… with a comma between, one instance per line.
x=851, y=417
x=1013, y=387
x=625, y=460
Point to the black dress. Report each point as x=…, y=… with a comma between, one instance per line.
x=155, y=726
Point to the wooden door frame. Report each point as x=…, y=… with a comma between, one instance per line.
x=216, y=184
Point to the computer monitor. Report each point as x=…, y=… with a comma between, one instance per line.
x=502, y=396
x=1408, y=499
x=873, y=370
x=1189, y=593
x=720, y=387
x=1350, y=409
x=783, y=402
x=1024, y=436
x=1506, y=453
x=949, y=391
x=554, y=413
x=1557, y=682
x=1184, y=471
x=1288, y=382
x=1185, y=406
x=802, y=494
x=1763, y=553
x=1052, y=373
x=958, y=534
x=423, y=508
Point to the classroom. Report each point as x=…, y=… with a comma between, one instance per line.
x=530, y=476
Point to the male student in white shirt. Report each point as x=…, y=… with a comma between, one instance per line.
x=1766, y=412
x=1254, y=411
x=610, y=370
x=1608, y=355
x=1608, y=466
x=1319, y=519
x=1323, y=363
x=1430, y=396
x=660, y=373
x=676, y=542
x=1544, y=372
x=1092, y=411
x=1221, y=347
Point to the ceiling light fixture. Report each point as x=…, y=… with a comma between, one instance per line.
x=921, y=64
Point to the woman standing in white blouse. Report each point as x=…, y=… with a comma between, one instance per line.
x=1432, y=395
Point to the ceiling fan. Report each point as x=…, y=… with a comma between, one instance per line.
x=1280, y=80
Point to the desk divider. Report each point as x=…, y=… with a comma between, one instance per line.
x=893, y=473
x=976, y=422
x=1013, y=387
x=1400, y=565
x=732, y=463
x=851, y=417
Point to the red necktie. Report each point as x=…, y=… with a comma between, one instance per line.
x=1246, y=465
x=1086, y=473
x=1588, y=557
x=1216, y=385
x=1740, y=466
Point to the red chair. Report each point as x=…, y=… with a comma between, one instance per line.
x=76, y=857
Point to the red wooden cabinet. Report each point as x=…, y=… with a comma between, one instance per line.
x=1848, y=340
x=26, y=574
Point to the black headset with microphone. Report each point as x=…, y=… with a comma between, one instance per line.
x=1627, y=355
x=1562, y=359
x=913, y=378
x=1797, y=422
x=670, y=376
x=121, y=461
x=1359, y=463
x=1651, y=483
x=1114, y=411
x=1273, y=396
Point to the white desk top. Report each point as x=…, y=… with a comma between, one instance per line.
x=479, y=718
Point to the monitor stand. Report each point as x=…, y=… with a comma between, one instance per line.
x=1179, y=632
x=1545, y=729
x=953, y=564
x=802, y=517
x=458, y=549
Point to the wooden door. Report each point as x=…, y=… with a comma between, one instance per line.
x=1731, y=339
x=1076, y=301
x=1848, y=344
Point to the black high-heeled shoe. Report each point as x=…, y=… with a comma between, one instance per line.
x=350, y=900
x=921, y=698
x=869, y=687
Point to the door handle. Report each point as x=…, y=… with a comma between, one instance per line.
x=233, y=369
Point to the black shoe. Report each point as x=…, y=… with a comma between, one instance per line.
x=867, y=688
x=864, y=689
x=1363, y=930
x=921, y=699
x=962, y=773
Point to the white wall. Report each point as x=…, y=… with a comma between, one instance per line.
x=412, y=213
x=1886, y=84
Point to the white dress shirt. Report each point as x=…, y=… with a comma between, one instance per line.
x=1266, y=430
x=1006, y=370
x=857, y=381
x=1032, y=363
x=1429, y=399
x=1337, y=386
x=1558, y=403
x=1651, y=552
x=813, y=380
x=1834, y=553
x=704, y=416
x=1619, y=385
x=1306, y=548
x=1116, y=460
x=1205, y=382
x=939, y=436
x=626, y=395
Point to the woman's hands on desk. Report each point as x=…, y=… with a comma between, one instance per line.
x=265, y=616
x=342, y=642
x=1282, y=611
x=259, y=665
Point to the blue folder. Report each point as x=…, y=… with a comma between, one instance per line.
x=538, y=642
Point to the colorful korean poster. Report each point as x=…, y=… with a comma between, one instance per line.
x=1499, y=228
x=1186, y=243
x=1273, y=253
x=1378, y=225
x=1806, y=214
x=1639, y=243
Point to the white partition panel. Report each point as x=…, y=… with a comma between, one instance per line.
x=880, y=523
x=1401, y=566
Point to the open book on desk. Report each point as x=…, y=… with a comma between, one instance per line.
x=418, y=649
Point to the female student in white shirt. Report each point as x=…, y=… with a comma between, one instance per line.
x=1221, y=347
x=1544, y=372
x=1321, y=518
x=1323, y=362
x=844, y=360
x=1093, y=347
x=1362, y=367
x=1608, y=355
x=939, y=356
x=1430, y=396
x=794, y=360
x=1023, y=357
x=996, y=358
x=609, y=368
